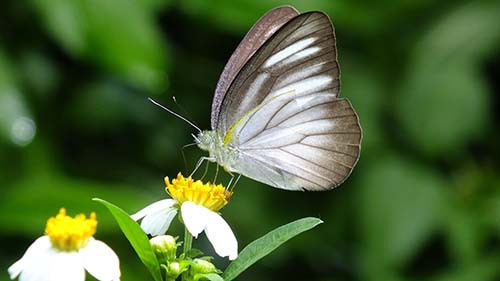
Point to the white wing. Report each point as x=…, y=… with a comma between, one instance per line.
x=254, y=39
x=309, y=143
x=282, y=112
x=301, y=55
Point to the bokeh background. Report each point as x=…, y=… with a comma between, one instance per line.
x=422, y=204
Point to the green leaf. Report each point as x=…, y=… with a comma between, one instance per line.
x=461, y=34
x=95, y=31
x=137, y=238
x=445, y=102
x=266, y=244
x=209, y=276
x=401, y=204
x=433, y=103
x=193, y=253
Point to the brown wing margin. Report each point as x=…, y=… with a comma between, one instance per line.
x=253, y=40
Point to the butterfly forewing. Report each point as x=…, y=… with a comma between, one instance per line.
x=283, y=114
x=254, y=39
x=301, y=56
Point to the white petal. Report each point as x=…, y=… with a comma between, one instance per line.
x=153, y=208
x=54, y=266
x=158, y=223
x=67, y=266
x=39, y=270
x=194, y=217
x=16, y=268
x=221, y=236
x=100, y=261
x=41, y=246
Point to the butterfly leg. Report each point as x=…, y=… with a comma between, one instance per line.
x=230, y=182
x=231, y=185
x=206, y=170
x=184, y=155
x=198, y=164
x=216, y=173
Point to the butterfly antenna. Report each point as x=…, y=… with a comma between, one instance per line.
x=175, y=114
x=183, y=110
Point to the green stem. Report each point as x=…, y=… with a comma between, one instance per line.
x=188, y=241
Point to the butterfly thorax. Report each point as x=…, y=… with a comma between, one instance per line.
x=220, y=152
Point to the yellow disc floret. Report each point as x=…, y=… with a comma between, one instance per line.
x=70, y=234
x=209, y=195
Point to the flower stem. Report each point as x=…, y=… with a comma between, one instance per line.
x=188, y=241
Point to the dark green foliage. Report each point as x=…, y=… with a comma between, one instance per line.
x=422, y=204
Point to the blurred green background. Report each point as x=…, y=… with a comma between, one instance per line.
x=422, y=204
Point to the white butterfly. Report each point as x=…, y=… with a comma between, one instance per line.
x=276, y=115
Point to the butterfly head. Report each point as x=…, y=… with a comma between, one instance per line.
x=206, y=140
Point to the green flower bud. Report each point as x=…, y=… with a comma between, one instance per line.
x=175, y=268
x=200, y=266
x=165, y=247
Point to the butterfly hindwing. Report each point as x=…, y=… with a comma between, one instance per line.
x=311, y=146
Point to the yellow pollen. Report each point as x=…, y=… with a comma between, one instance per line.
x=70, y=234
x=209, y=195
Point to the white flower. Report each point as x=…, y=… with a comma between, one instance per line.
x=156, y=218
x=199, y=204
x=66, y=252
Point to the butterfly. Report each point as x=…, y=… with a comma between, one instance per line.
x=277, y=116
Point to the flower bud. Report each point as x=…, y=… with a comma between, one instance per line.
x=165, y=247
x=175, y=268
x=200, y=266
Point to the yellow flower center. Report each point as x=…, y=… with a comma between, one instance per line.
x=70, y=234
x=209, y=195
